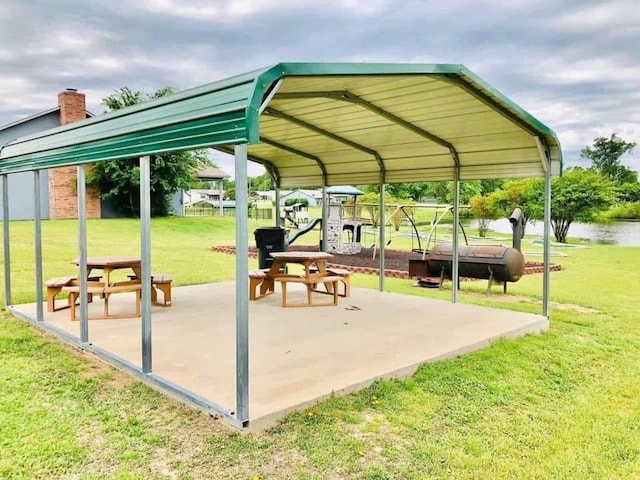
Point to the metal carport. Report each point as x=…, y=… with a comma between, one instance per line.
x=308, y=124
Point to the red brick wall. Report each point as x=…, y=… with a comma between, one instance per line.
x=63, y=199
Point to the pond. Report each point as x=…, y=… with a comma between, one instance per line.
x=614, y=233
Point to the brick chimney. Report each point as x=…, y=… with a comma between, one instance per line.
x=63, y=200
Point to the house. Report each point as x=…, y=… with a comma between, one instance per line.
x=58, y=198
x=311, y=196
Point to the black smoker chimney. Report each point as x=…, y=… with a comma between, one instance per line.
x=517, y=225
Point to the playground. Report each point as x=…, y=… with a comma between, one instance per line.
x=411, y=232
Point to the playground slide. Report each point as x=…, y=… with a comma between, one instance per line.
x=307, y=228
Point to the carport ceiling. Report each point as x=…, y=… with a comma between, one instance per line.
x=311, y=124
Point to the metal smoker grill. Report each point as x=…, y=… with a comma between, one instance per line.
x=491, y=262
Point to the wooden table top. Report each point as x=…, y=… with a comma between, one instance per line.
x=110, y=261
x=301, y=256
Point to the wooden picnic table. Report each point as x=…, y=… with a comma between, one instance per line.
x=306, y=259
x=111, y=263
x=106, y=286
x=315, y=272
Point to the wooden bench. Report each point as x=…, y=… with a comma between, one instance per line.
x=162, y=282
x=310, y=283
x=97, y=288
x=345, y=279
x=55, y=285
x=257, y=278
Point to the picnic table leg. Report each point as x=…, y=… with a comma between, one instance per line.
x=284, y=294
x=309, y=292
x=72, y=305
x=266, y=286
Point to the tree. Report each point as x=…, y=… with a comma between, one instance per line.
x=229, y=189
x=483, y=211
x=489, y=186
x=628, y=192
x=370, y=203
x=578, y=196
x=414, y=191
x=605, y=157
x=262, y=183
x=521, y=193
x=119, y=180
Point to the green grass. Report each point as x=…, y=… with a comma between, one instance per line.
x=562, y=405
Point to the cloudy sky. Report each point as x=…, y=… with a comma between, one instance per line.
x=574, y=64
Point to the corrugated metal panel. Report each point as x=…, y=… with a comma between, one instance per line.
x=338, y=122
x=485, y=128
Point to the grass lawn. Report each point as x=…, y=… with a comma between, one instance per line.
x=562, y=405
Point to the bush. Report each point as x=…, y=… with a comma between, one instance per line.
x=625, y=211
x=484, y=211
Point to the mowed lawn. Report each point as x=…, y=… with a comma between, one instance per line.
x=562, y=405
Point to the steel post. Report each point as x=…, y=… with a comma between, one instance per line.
x=145, y=258
x=454, y=246
x=325, y=218
x=221, y=197
x=82, y=252
x=278, y=222
x=37, y=217
x=546, y=276
x=242, y=290
x=382, y=238
x=6, y=240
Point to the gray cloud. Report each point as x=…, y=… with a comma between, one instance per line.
x=574, y=64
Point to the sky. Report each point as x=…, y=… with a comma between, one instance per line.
x=573, y=64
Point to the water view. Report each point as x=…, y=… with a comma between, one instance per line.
x=615, y=233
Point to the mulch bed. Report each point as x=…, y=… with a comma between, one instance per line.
x=396, y=261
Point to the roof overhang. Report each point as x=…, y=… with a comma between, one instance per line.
x=322, y=124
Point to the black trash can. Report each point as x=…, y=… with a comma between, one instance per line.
x=269, y=239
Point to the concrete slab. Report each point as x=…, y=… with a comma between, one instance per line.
x=298, y=356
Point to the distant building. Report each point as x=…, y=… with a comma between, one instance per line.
x=311, y=196
x=338, y=194
x=211, y=198
x=58, y=185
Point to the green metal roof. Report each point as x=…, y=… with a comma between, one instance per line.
x=310, y=123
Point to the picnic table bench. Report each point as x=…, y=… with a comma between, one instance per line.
x=55, y=285
x=311, y=284
x=105, y=291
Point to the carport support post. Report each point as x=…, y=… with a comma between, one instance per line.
x=145, y=248
x=242, y=290
x=454, y=246
x=325, y=217
x=6, y=241
x=278, y=223
x=82, y=250
x=37, y=216
x=546, y=278
x=221, y=197
x=382, y=239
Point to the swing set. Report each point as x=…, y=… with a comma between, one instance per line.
x=431, y=238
